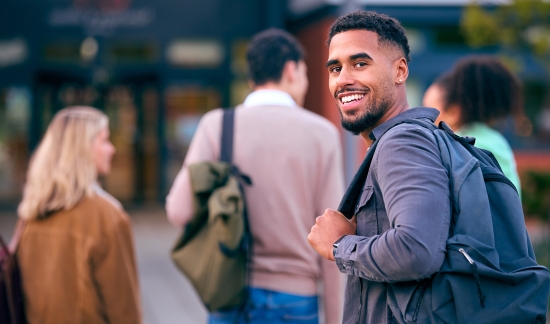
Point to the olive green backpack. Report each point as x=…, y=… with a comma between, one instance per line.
x=214, y=250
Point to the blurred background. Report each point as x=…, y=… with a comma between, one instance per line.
x=156, y=66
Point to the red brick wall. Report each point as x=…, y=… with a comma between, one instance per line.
x=319, y=99
x=537, y=161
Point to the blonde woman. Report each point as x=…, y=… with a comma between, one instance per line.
x=76, y=252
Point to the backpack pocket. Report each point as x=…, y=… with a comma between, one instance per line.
x=471, y=288
x=407, y=300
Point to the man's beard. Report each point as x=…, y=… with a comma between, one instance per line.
x=367, y=118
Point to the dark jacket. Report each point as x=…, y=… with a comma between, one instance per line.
x=403, y=216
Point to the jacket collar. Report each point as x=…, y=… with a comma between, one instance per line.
x=413, y=113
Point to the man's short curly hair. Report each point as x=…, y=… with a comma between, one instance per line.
x=389, y=30
x=267, y=54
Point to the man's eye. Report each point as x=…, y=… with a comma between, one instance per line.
x=335, y=69
x=360, y=64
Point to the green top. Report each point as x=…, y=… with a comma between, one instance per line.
x=489, y=139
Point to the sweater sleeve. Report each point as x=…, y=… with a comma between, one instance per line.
x=115, y=273
x=204, y=147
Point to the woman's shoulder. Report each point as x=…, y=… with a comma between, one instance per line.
x=487, y=138
x=102, y=210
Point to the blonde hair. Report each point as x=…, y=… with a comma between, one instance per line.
x=62, y=170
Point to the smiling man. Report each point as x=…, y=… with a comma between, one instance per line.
x=397, y=225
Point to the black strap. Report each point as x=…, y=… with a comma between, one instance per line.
x=347, y=205
x=226, y=154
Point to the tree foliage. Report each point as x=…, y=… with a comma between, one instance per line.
x=536, y=195
x=521, y=25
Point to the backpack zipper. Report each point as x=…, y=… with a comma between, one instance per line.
x=466, y=255
x=480, y=293
x=498, y=178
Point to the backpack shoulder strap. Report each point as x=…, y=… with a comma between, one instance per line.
x=347, y=204
x=226, y=154
x=484, y=156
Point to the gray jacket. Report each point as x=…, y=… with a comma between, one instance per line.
x=403, y=216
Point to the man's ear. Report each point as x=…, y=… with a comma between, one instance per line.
x=401, y=70
x=289, y=71
x=453, y=116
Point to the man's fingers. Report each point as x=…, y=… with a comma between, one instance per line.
x=334, y=213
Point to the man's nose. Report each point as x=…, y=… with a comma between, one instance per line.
x=345, y=78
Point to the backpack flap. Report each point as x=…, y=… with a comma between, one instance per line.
x=226, y=206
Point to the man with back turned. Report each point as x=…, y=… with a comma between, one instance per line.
x=294, y=159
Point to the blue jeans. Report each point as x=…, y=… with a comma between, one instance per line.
x=267, y=306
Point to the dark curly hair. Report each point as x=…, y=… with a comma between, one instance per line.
x=268, y=52
x=389, y=30
x=483, y=88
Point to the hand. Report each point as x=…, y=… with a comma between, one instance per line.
x=327, y=229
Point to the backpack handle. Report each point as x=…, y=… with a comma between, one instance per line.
x=462, y=139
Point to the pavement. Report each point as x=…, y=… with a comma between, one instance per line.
x=167, y=297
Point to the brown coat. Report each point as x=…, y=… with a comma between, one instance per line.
x=79, y=266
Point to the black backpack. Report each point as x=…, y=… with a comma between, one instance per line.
x=489, y=274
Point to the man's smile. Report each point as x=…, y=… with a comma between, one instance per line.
x=350, y=99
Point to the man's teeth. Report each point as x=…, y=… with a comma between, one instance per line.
x=351, y=98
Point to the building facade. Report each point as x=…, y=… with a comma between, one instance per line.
x=156, y=66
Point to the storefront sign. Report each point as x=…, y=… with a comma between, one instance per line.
x=100, y=18
x=12, y=52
